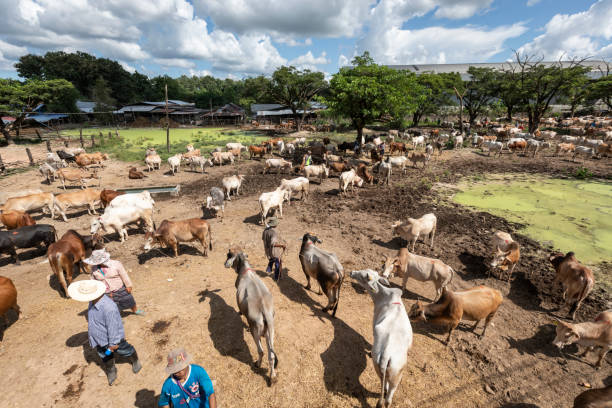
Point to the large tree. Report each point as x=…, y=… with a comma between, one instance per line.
x=507, y=91
x=437, y=90
x=575, y=91
x=478, y=92
x=366, y=92
x=18, y=99
x=601, y=88
x=296, y=89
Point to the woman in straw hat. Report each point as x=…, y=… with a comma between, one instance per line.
x=104, y=326
x=187, y=383
x=115, y=278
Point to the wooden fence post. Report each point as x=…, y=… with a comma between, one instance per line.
x=110, y=135
x=93, y=141
x=39, y=135
x=30, y=156
x=81, y=139
x=49, y=146
x=101, y=138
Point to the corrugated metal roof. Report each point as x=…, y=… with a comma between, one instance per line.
x=85, y=106
x=136, y=108
x=43, y=117
x=280, y=112
x=255, y=107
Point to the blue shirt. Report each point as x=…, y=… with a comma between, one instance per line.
x=105, y=327
x=198, y=384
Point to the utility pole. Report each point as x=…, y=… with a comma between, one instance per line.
x=167, y=122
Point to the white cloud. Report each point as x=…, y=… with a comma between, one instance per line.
x=532, y=2
x=127, y=67
x=342, y=61
x=174, y=62
x=309, y=61
x=583, y=34
x=9, y=54
x=291, y=42
x=200, y=72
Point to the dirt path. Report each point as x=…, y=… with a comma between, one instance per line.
x=190, y=302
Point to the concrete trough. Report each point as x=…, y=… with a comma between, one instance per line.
x=172, y=190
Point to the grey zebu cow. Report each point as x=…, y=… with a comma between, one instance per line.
x=216, y=201
x=324, y=267
x=256, y=304
x=392, y=332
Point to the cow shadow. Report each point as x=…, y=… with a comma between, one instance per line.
x=345, y=358
x=163, y=252
x=146, y=398
x=540, y=342
x=253, y=219
x=524, y=293
x=208, y=213
x=22, y=255
x=519, y=405
x=333, y=192
x=11, y=317
x=82, y=340
x=394, y=243
x=474, y=266
x=227, y=329
x=55, y=284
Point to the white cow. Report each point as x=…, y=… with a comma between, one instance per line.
x=584, y=151
x=459, y=142
x=278, y=164
x=273, y=199
x=418, y=141
x=392, y=332
x=399, y=161
x=234, y=146
x=199, y=161
x=536, y=145
x=232, y=184
x=318, y=170
x=153, y=161
x=175, y=162
x=493, y=147
x=116, y=218
x=346, y=179
x=142, y=200
x=297, y=184
x=413, y=228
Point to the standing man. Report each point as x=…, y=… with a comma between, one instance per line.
x=308, y=160
x=188, y=385
x=105, y=328
x=274, y=247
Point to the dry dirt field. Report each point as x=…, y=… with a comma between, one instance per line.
x=45, y=359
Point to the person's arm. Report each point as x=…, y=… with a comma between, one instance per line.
x=124, y=276
x=164, y=398
x=212, y=401
x=206, y=384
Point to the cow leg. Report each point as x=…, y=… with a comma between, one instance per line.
x=453, y=325
x=586, y=350
x=174, y=245
x=272, y=360
x=574, y=308
x=256, y=332
x=13, y=253
x=393, y=381
x=414, y=240
x=487, y=321
x=475, y=325
x=602, y=355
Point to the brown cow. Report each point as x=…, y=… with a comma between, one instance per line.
x=339, y=167
x=420, y=157
x=564, y=148
x=257, y=151
x=397, y=147
x=362, y=171
x=596, y=398
x=8, y=298
x=577, y=280
x=473, y=304
x=31, y=202
x=135, y=174
x=170, y=233
x=517, y=145
x=507, y=260
x=68, y=251
x=16, y=219
x=106, y=196
x=71, y=174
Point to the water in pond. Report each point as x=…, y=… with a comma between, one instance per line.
x=574, y=215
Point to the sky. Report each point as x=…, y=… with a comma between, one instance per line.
x=239, y=38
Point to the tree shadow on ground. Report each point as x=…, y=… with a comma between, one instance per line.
x=226, y=329
x=345, y=358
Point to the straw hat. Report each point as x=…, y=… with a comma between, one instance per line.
x=178, y=359
x=86, y=290
x=99, y=256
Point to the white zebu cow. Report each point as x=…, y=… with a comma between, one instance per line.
x=175, y=162
x=392, y=332
x=584, y=151
x=346, y=179
x=493, y=147
x=418, y=141
x=413, y=228
x=235, y=146
x=278, y=164
x=116, y=218
x=141, y=200
x=297, y=184
x=536, y=145
x=273, y=199
x=399, y=161
x=232, y=184
x=319, y=170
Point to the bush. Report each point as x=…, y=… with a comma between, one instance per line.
x=450, y=144
x=582, y=173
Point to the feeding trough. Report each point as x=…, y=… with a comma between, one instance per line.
x=172, y=190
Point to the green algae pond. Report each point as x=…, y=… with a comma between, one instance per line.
x=572, y=215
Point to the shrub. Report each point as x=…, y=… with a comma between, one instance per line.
x=582, y=173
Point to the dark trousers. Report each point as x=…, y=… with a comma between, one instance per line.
x=125, y=349
x=277, y=264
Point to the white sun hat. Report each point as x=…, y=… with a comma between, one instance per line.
x=86, y=290
x=99, y=256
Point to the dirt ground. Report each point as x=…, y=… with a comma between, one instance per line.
x=190, y=301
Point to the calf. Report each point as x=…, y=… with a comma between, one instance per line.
x=589, y=334
x=153, y=161
x=419, y=158
x=319, y=170
x=170, y=233
x=135, y=174
x=397, y=147
x=26, y=237
x=273, y=199
x=278, y=164
x=300, y=184
x=70, y=251
x=564, y=148
x=507, y=259
x=16, y=219
x=256, y=304
x=423, y=269
x=175, y=162
x=257, y=151
x=473, y=304
x=106, y=196
x=400, y=162
x=201, y=162
x=231, y=184
x=31, y=202
x=216, y=201
x=8, y=298
x=576, y=279
x=89, y=198
x=413, y=228
x=75, y=175
x=324, y=267
x=222, y=157
x=392, y=332
x=362, y=171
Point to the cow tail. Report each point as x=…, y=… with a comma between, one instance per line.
x=210, y=239
x=586, y=288
x=58, y=270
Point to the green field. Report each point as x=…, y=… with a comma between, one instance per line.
x=573, y=215
x=134, y=142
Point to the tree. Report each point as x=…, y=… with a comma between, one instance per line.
x=507, y=91
x=539, y=84
x=575, y=91
x=367, y=91
x=18, y=99
x=479, y=91
x=601, y=88
x=101, y=95
x=436, y=92
x=296, y=89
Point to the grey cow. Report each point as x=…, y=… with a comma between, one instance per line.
x=216, y=200
x=256, y=304
x=324, y=267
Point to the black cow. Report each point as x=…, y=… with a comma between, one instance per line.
x=344, y=146
x=26, y=237
x=66, y=156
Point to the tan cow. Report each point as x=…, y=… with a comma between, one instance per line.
x=589, y=334
x=419, y=158
x=564, y=148
x=507, y=260
x=473, y=304
x=407, y=265
x=577, y=280
x=89, y=198
x=75, y=175
x=413, y=228
x=30, y=203
x=16, y=219
x=87, y=159
x=171, y=233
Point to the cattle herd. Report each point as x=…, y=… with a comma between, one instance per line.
x=313, y=162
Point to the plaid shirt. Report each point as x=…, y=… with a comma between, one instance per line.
x=105, y=327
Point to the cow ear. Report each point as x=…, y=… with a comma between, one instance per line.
x=384, y=281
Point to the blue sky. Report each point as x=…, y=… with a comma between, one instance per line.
x=237, y=38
